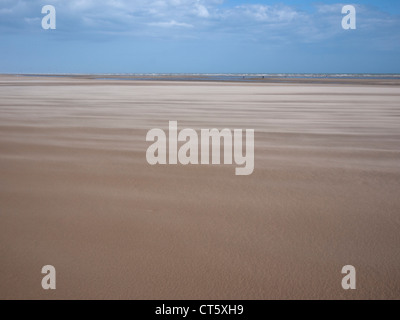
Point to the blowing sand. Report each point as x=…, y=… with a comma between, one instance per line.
x=76, y=191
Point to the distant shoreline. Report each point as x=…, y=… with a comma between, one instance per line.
x=293, y=78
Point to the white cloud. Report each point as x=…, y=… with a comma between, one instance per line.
x=202, y=11
x=32, y=20
x=170, y=24
x=329, y=8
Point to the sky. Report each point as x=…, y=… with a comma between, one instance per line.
x=199, y=36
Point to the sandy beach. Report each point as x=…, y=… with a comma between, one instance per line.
x=76, y=191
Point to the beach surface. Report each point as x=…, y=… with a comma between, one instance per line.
x=76, y=191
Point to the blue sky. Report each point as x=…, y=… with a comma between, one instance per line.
x=199, y=36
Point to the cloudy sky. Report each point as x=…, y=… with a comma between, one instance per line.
x=199, y=36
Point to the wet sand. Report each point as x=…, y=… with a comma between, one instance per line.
x=76, y=191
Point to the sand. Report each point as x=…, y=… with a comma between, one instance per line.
x=77, y=193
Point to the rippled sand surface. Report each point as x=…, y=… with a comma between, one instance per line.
x=76, y=191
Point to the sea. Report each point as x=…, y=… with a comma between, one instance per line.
x=227, y=76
